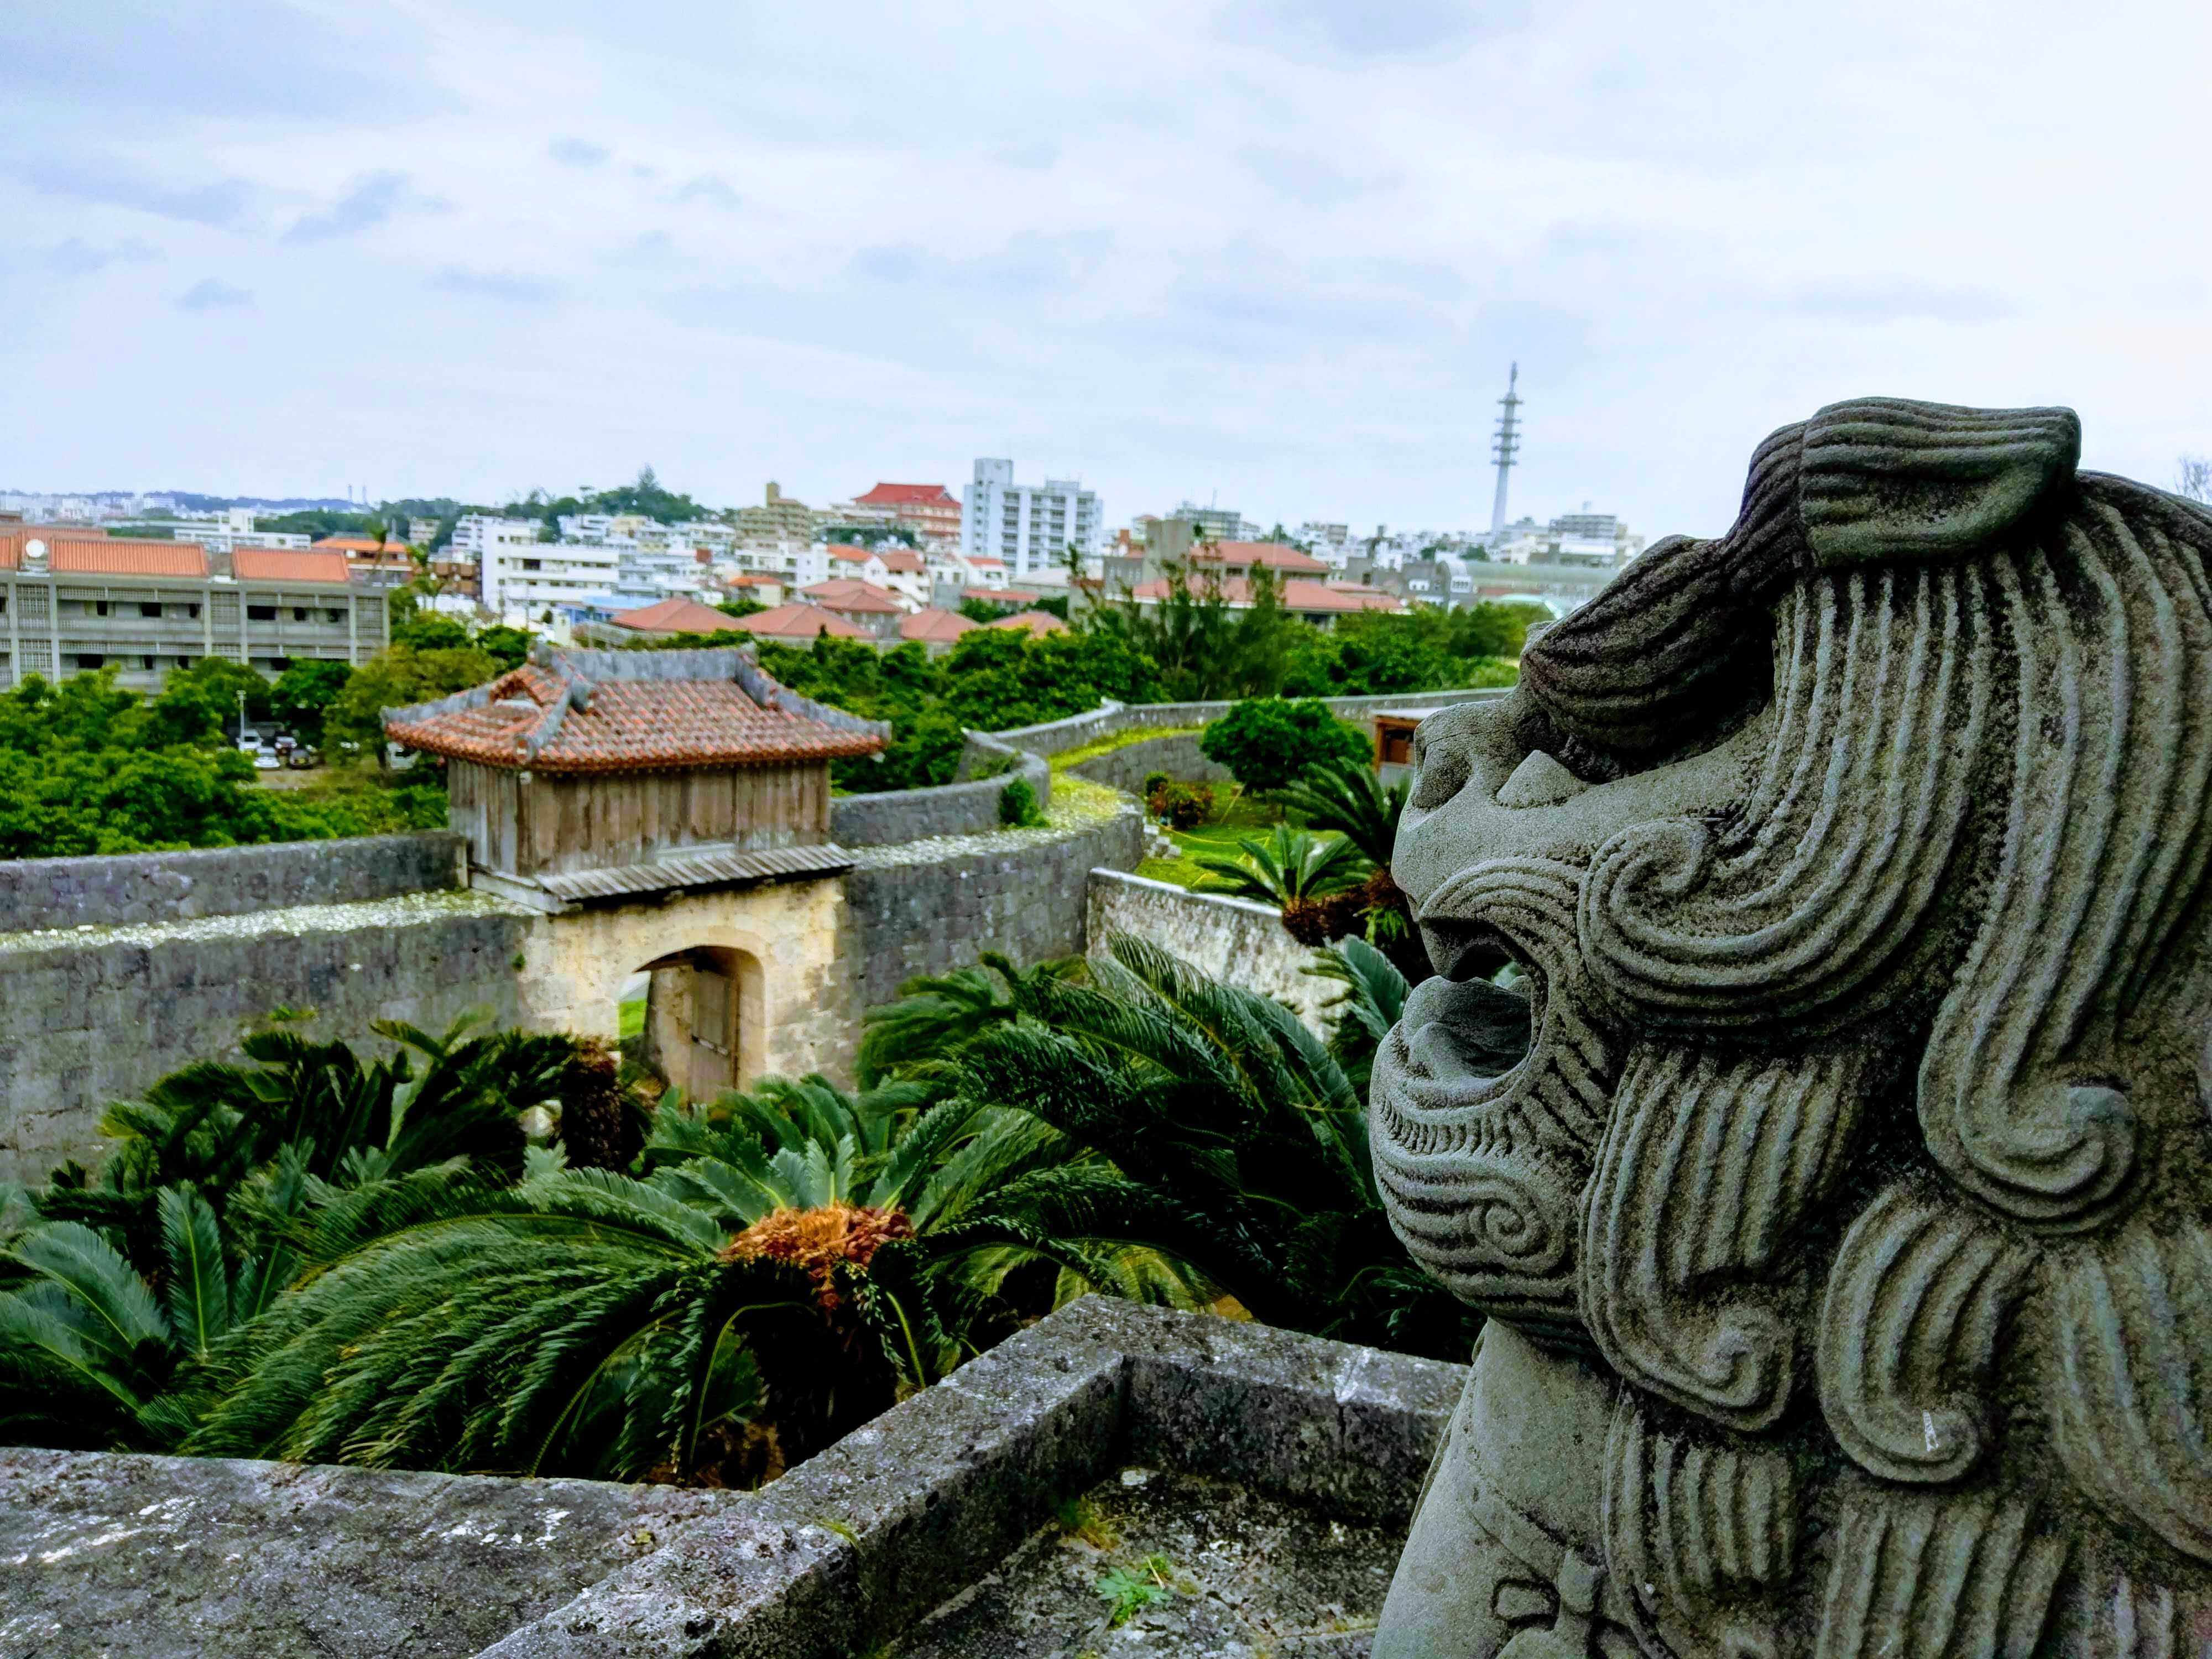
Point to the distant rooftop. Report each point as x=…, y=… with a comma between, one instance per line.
x=277, y=564
x=72, y=552
x=674, y=615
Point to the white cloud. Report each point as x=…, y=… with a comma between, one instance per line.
x=1283, y=249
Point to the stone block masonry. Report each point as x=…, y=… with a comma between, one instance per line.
x=845, y=1553
x=929, y=907
x=226, y=881
x=95, y=1013
x=1236, y=941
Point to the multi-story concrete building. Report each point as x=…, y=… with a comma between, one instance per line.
x=72, y=601
x=1220, y=524
x=779, y=520
x=477, y=535
x=1029, y=527
x=930, y=511
x=521, y=583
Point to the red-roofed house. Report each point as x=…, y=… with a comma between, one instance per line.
x=930, y=510
x=797, y=624
x=73, y=600
x=1238, y=558
x=392, y=562
x=1039, y=622
x=936, y=631
x=1320, y=603
x=864, y=605
x=674, y=615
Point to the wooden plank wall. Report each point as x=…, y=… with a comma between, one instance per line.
x=553, y=824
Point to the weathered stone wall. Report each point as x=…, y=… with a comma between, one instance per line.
x=966, y=808
x=933, y=906
x=1057, y=737
x=1233, y=939
x=226, y=881
x=1178, y=755
x=96, y=1013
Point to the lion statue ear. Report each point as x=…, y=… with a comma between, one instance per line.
x=1885, y=480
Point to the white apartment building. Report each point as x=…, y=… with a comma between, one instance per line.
x=480, y=534
x=1029, y=527
x=523, y=578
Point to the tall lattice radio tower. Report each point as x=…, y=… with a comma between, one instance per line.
x=1507, y=446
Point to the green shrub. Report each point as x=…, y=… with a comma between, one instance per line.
x=1154, y=781
x=1184, y=806
x=1017, y=806
x=1268, y=743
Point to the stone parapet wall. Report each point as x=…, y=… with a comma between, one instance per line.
x=1126, y=768
x=966, y=808
x=226, y=881
x=932, y=907
x=1057, y=737
x=95, y=1014
x=846, y=1554
x=1233, y=939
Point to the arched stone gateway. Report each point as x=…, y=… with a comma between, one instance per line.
x=668, y=810
x=748, y=981
x=1846, y=1228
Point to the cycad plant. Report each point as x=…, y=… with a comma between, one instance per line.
x=935, y=1013
x=1373, y=998
x=1352, y=799
x=795, y=1257
x=89, y=1350
x=344, y=1119
x=1310, y=878
x=1230, y=1139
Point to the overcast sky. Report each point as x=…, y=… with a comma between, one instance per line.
x=1278, y=251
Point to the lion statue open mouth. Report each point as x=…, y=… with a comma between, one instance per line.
x=1835, y=1172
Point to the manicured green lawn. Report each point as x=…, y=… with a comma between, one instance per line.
x=1237, y=820
x=629, y=1019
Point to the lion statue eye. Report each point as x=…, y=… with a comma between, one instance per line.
x=1441, y=773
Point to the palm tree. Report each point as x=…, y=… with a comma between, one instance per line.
x=1352, y=800
x=794, y=1259
x=1287, y=865
x=1232, y=1139
x=1373, y=999
x=211, y=1125
x=935, y=1013
x=88, y=1351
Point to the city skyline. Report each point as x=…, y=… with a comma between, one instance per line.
x=1277, y=252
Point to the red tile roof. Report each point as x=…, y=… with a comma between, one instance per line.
x=1037, y=621
x=847, y=554
x=797, y=622
x=280, y=564
x=674, y=615
x=360, y=545
x=903, y=559
x=632, y=711
x=1010, y=595
x=854, y=597
x=985, y=562
x=74, y=554
x=891, y=494
x=1294, y=594
x=1274, y=556
x=935, y=627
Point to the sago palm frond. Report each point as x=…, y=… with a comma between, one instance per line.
x=1285, y=866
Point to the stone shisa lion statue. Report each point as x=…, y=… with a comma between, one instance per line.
x=1835, y=1178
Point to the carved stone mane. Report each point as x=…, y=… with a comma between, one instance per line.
x=1846, y=1227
